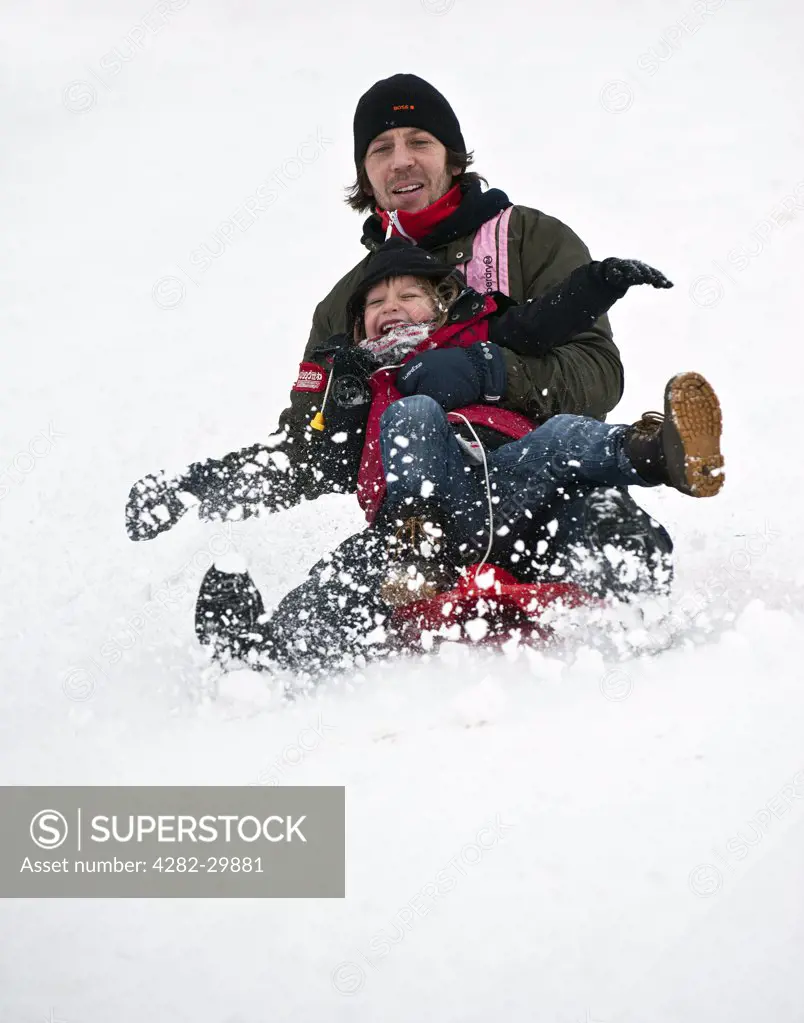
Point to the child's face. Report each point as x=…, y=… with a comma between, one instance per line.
x=398, y=300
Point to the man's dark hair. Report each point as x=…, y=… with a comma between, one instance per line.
x=359, y=196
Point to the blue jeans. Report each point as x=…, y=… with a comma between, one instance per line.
x=554, y=467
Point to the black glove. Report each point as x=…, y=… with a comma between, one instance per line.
x=213, y=487
x=155, y=503
x=455, y=377
x=249, y=480
x=571, y=307
x=624, y=273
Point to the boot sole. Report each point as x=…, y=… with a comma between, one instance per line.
x=692, y=428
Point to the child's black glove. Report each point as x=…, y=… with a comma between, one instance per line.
x=455, y=377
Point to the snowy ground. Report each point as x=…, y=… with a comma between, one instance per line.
x=649, y=807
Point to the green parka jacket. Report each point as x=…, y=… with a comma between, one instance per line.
x=584, y=377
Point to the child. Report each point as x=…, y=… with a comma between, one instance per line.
x=413, y=418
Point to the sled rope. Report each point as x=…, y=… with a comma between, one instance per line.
x=487, y=482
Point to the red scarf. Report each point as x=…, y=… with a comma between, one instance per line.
x=420, y=223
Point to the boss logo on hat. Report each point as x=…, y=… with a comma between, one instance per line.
x=425, y=109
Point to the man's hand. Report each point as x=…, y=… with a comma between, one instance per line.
x=624, y=273
x=455, y=377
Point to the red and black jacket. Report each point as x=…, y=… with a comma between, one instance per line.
x=347, y=450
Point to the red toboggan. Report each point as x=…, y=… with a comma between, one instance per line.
x=491, y=595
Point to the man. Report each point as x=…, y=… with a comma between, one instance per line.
x=412, y=170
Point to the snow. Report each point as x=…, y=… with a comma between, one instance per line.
x=610, y=832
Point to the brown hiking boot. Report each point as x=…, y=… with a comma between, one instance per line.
x=421, y=567
x=682, y=447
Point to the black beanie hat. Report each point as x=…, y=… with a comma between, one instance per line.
x=404, y=101
x=397, y=258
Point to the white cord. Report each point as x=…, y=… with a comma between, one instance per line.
x=326, y=392
x=488, y=487
x=393, y=222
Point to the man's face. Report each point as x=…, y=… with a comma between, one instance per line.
x=407, y=168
